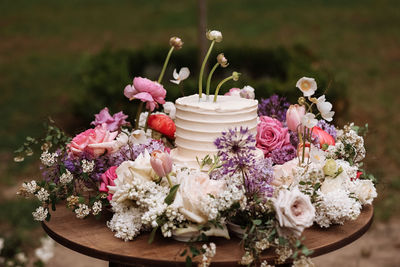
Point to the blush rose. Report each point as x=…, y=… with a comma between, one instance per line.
x=271, y=135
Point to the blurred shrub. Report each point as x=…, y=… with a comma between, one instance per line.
x=105, y=75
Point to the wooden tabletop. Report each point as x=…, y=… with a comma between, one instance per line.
x=92, y=237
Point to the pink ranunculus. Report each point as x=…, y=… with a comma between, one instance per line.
x=113, y=122
x=271, y=135
x=108, y=179
x=233, y=92
x=294, y=115
x=147, y=91
x=95, y=141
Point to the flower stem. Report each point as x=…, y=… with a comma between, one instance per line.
x=138, y=115
x=169, y=180
x=219, y=86
x=147, y=120
x=165, y=64
x=209, y=78
x=203, y=65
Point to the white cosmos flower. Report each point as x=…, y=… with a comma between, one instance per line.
x=307, y=85
x=182, y=75
x=309, y=120
x=325, y=108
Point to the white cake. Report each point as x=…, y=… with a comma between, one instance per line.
x=200, y=122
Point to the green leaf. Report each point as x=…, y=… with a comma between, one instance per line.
x=302, y=183
x=171, y=196
x=48, y=217
x=152, y=235
x=257, y=222
x=188, y=261
x=183, y=253
x=195, y=252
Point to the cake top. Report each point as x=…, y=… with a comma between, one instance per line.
x=224, y=103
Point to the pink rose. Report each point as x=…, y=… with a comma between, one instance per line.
x=95, y=141
x=271, y=135
x=113, y=122
x=283, y=174
x=294, y=115
x=108, y=179
x=147, y=91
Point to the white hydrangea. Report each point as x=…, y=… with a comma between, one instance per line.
x=336, y=207
x=30, y=187
x=66, y=177
x=82, y=211
x=87, y=166
x=46, y=251
x=40, y=214
x=42, y=195
x=97, y=207
x=48, y=158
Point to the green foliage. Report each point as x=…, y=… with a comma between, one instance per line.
x=105, y=75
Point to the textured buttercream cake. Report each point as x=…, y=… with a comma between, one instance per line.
x=200, y=122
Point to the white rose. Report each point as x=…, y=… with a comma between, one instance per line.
x=193, y=190
x=283, y=174
x=365, y=191
x=332, y=184
x=132, y=170
x=294, y=212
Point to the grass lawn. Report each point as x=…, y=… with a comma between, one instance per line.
x=43, y=42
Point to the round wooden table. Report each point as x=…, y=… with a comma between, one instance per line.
x=92, y=238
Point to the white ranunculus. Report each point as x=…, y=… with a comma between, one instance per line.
x=193, y=190
x=307, y=85
x=294, y=212
x=309, y=120
x=132, y=170
x=182, y=75
x=325, y=108
x=170, y=109
x=214, y=36
x=365, y=191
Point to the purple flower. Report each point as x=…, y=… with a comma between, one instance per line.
x=330, y=129
x=236, y=149
x=113, y=122
x=274, y=107
x=258, y=179
x=284, y=154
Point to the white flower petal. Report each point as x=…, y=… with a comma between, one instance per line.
x=175, y=81
x=175, y=75
x=184, y=73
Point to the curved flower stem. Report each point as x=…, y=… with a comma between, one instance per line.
x=169, y=180
x=209, y=78
x=202, y=69
x=219, y=86
x=147, y=119
x=165, y=64
x=138, y=115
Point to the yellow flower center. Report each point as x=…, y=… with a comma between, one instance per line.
x=305, y=85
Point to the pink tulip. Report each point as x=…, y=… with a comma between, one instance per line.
x=294, y=115
x=323, y=137
x=147, y=91
x=161, y=163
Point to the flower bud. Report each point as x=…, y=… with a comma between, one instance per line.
x=161, y=163
x=214, y=36
x=176, y=42
x=222, y=60
x=294, y=115
x=235, y=76
x=330, y=167
x=301, y=101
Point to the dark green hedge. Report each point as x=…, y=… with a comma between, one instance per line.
x=104, y=75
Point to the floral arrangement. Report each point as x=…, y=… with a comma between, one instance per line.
x=310, y=171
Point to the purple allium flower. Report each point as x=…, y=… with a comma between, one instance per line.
x=236, y=149
x=113, y=122
x=274, y=107
x=284, y=154
x=258, y=179
x=330, y=129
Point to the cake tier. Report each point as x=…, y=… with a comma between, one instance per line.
x=200, y=122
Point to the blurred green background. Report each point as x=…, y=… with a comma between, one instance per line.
x=67, y=59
